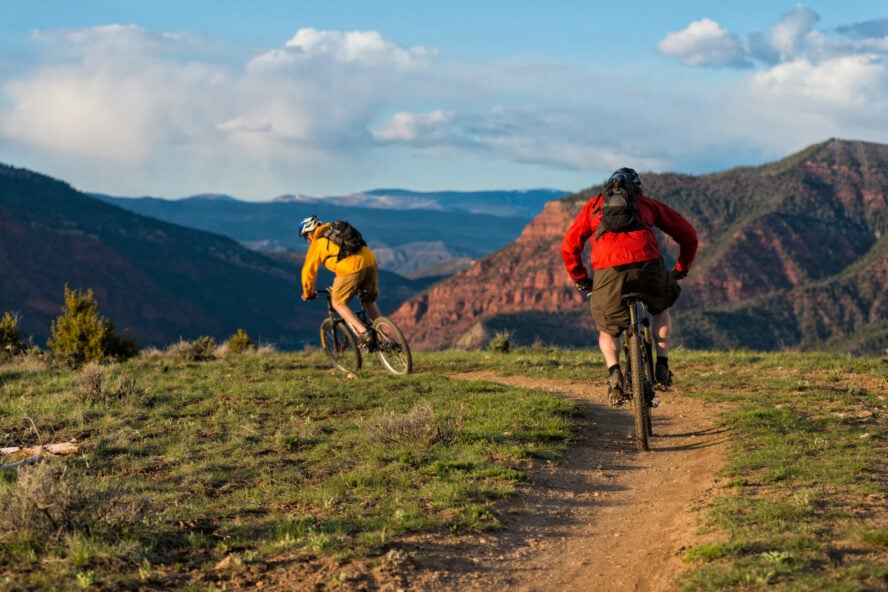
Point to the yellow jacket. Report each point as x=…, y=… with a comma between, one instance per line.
x=323, y=250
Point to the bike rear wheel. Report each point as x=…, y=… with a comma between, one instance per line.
x=639, y=396
x=392, y=348
x=340, y=346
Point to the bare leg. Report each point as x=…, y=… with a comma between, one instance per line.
x=610, y=348
x=662, y=325
x=373, y=311
x=349, y=315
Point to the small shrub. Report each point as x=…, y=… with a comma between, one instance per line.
x=199, y=350
x=240, y=342
x=501, y=342
x=10, y=337
x=82, y=335
x=45, y=503
x=420, y=425
x=266, y=349
x=92, y=385
x=11, y=343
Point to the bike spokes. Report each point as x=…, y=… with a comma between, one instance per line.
x=392, y=349
x=340, y=346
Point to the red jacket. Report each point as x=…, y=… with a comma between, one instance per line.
x=620, y=248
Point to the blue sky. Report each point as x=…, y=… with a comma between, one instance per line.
x=268, y=98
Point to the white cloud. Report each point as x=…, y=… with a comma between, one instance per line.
x=707, y=43
x=414, y=127
x=842, y=84
x=239, y=124
x=362, y=47
x=704, y=43
x=565, y=139
x=788, y=36
x=310, y=49
x=121, y=94
x=119, y=109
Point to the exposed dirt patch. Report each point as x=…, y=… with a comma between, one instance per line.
x=606, y=518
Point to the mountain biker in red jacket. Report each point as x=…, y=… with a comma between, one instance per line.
x=629, y=261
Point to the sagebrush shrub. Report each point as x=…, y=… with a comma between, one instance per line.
x=92, y=385
x=82, y=335
x=240, y=342
x=421, y=425
x=45, y=503
x=199, y=350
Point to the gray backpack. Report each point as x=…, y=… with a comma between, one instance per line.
x=345, y=236
x=619, y=207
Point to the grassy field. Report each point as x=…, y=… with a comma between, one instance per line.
x=248, y=459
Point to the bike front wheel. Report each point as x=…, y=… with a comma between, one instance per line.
x=642, y=410
x=392, y=348
x=340, y=346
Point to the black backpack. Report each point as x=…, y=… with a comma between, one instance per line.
x=345, y=236
x=619, y=207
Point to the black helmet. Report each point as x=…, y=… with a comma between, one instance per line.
x=308, y=225
x=628, y=174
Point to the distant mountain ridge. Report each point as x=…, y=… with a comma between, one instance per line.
x=409, y=230
x=792, y=254
x=507, y=203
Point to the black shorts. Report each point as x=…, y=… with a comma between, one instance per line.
x=658, y=289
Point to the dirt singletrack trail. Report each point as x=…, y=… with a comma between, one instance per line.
x=605, y=519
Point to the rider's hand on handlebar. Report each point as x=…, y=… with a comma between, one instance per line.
x=679, y=275
x=306, y=296
x=584, y=285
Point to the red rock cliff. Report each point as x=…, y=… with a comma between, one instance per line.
x=526, y=275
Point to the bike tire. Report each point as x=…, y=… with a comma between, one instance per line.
x=649, y=374
x=637, y=369
x=340, y=346
x=392, y=348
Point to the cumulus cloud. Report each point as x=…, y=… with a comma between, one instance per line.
x=705, y=43
x=108, y=97
x=414, y=127
x=124, y=95
x=363, y=47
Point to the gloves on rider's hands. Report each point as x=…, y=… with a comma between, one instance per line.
x=584, y=285
x=306, y=296
x=679, y=274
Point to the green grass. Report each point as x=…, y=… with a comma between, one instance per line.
x=804, y=505
x=258, y=459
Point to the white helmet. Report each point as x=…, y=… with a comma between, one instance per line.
x=308, y=225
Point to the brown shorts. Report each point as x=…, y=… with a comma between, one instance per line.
x=657, y=287
x=365, y=280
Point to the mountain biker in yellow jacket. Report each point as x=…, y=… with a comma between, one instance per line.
x=355, y=274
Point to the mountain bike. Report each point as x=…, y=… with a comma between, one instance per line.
x=340, y=342
x=639, y=374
